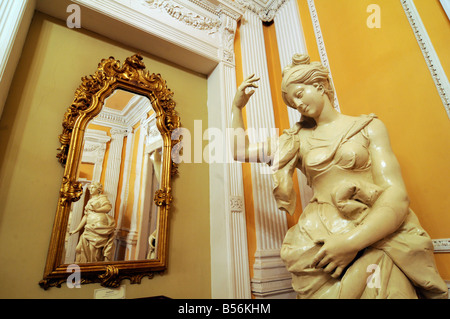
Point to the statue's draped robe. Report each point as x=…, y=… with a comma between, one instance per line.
x=96, y=242
x=399, y=266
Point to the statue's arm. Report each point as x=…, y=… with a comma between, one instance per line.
x=390, y=209
x=243, y=150
x=105, y=206
x=80, y=226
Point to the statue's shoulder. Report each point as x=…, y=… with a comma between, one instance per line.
x=376, y=127
x=103, y=198
x=293, y=130
x=370, y=116
x=367, y=119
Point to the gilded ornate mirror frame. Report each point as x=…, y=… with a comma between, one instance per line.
x=88, y=102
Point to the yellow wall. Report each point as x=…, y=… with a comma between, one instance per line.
x=52, y=63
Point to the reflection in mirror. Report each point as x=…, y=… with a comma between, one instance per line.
x=116, y=217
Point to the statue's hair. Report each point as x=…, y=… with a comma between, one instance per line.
x=99, y=186
x=303, y=71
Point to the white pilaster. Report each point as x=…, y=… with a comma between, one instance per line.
x=133, y=232
x=290, y=40
x=112, y=173
x=230, y=276
x=15, y=18
x=270, y=224
x=119, y=241
x=94, y=151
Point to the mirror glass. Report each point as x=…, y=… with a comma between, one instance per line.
x=116, y=217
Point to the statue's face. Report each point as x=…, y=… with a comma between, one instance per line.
x=307, y=99
x=94, y=189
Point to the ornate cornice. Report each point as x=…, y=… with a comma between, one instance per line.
x=179, y=10
x=228, y=7
x=217, y=19
x=187, y=16
x=266, y=10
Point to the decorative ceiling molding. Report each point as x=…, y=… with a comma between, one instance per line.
x=187, y=16
x=126, y=118
x=216, y=18
x=431, y=58
x=266, y=10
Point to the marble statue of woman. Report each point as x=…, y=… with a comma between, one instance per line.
x=357, y=237
x=96, y=241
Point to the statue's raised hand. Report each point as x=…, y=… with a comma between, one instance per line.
x=242, y=95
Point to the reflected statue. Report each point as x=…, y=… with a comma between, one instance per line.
x=357, y=238
x=96, y=241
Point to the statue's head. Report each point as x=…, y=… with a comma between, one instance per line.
x=95, y=187
x=302, y=71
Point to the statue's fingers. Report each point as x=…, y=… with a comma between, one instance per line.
x=317, y=258
x=337, y=273
x=324, y=262
x=249, y=77
x=250, y=93
x=330, y=268
x=252, y=78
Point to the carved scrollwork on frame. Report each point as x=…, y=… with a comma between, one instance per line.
x=163, y=197
x=71, y=191
x=111, y=76
x=110, y=278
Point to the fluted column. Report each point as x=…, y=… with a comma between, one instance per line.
x=133, y=232
x=290, y=40
x=270, y=274
x=119, y=241
x=112, y=173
